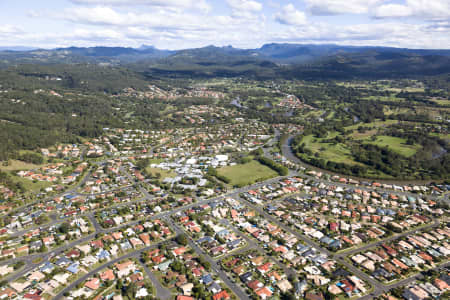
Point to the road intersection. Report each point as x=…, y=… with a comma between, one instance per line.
x=163, y=293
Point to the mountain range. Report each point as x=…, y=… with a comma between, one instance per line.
x=305, y=61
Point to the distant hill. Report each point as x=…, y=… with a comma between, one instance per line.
x=111, y=55
x=372, y=64
x=305, y=61
x=17, y=48
x=303, y=53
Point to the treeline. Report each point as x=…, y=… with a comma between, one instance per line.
x=280, y=169
x=423, y=165
x=382, y=159
x=213, y=172
x=17, y=137
x=307, y=155
x=32, y=158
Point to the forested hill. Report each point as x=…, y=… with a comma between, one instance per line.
x=372, y=65
x=43, y=105
x=269, y=61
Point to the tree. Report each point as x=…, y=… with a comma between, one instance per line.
x=182, y=239
x=64, y=228
x=141, y=164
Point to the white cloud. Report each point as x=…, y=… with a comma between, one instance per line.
x=106, y=16
x=176, y=24
x=290, y=16
x=197, y=4
x=166, y=27
x=393, y=34
x=7, y=29
x=336, y=7
x=245, y=5
x=423, y=9
x=246, y=9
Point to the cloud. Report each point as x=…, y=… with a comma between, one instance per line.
x=107, y=16
x=290, y=16
x=423, y=9
x=245, y=5
x=166, y=27
x=196, y=4
x=6, y=30
x=392, y=34
x=336, y=7
x=244, y=8
x=176, y=24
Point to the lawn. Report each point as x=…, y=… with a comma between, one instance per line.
x=396, y=144
x=164, y=173
x=247, y=173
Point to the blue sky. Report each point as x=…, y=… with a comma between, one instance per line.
x=176, y=24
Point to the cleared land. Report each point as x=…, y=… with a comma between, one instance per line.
x=164, y=173
x=247, y=173
x=31, y=185
x=17, y=165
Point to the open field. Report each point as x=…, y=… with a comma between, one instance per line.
x=330, y=152
x=396, y=144
x=384, y=98
x=375, y=124
x=30, y=185
x=164, y=173
x=396, y=110
x=247, y=173
x=363, y=135
x=17, y=165
x=442, y=101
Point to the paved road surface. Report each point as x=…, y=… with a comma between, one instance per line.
x=134, y=254
x=223, y=276
x=161, y=292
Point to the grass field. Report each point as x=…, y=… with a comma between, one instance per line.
x=375, y=124
x=164, y=173
x=442, y=101
x=337, y=153
x=247, y=173
x=396, y=144
x=384, y=98
x=396, y=110
x=363, y=135
x=17, y=165
x=31, y=186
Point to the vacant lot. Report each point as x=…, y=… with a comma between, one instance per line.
x=30, y=185
x=247, y=173
x=164, y=173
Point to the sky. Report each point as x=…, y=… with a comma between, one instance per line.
x=180, y=24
